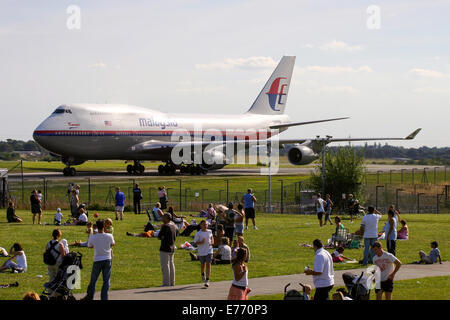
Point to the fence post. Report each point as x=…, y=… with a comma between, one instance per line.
x=282, y=196
x=23, y=188
x=437, y=203
x=89, y=191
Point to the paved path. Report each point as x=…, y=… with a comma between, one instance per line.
x=259, y=286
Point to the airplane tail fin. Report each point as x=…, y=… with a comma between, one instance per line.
x=273, y=96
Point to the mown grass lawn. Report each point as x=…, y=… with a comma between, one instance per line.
x=274, y=249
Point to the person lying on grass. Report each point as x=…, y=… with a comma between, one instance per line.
x=338, y=255
x=149, y=232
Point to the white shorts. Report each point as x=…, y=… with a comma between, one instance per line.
x=119, y=208
x=11, y=264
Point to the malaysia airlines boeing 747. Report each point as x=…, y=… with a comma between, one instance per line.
x=81, y=132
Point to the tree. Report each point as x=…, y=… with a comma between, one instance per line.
x=344, y=172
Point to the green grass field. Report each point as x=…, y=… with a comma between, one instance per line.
x=274, y=249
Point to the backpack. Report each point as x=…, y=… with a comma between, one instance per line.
x=49, y=258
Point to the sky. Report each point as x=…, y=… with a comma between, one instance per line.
x=384, y=64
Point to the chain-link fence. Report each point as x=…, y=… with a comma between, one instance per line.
x=289, y=195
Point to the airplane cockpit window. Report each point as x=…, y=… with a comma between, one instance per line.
x=60, y=110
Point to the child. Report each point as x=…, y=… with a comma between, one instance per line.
x=211, y=212
x=58, y=217
x=234, y=249
x=223, y=254
x=306, y=291
x=90, y=231
x=434, y=255
x=17, y=253
x=204, y=241
x=109, y=226
x=337, y=255
x=242, y=244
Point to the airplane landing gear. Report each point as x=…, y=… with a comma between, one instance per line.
x=168, y=169
x=137, y=168
x=69, y=171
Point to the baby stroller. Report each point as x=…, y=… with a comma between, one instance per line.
x=58, y=289
x=294, y=294
x=359, y=286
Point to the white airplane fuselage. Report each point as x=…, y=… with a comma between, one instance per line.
x=104, y=131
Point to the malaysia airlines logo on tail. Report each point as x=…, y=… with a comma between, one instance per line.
x=276, y=93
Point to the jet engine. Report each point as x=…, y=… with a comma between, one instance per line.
x=301, y=155
x=214, y=160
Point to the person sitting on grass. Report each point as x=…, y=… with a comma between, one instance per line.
x=223, y=254
x=338, y=255
x=90, y=229
x=211, y=212
x=433, y=257
x=177, y=220
x=109, y=226
x=16, y=252
x=58, y=217
x=403, y=233
x=82, y=220
x=11, y=213
x=157, y=212
x=234, y=249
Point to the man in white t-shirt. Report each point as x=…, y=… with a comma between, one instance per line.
x=369, y=230
x=204, y=241
x=322, y=272
x=388, y=265
x=102, y=243
x=320, y=208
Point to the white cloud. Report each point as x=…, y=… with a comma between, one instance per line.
x=427, y=73
x=432, y=90
x=340, y=46
x=251, y=62
x=333, y=69
x=98, y=65
x=201, y=90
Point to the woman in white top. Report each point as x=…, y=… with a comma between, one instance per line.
x=17, y=253
x=239, y=290
x=223, y=254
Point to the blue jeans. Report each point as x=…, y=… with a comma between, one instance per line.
x=104, y=267
x=368, y=252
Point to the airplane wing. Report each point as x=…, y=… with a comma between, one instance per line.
x=152, y=145
x=330, y=139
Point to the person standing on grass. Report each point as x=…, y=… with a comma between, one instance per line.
x=137, y=197
x=229, y=221
x=249, y=207
x=389, y=266
x=120, y=203
x=239, y=221
x=369, y=230
x=322, y=272
x=239, y=287
x=320, y=208
x=167, y=235
x=328, y=207
x=162, y=195
x=204, y=241
x=391, y=232
x=74, y=202
x=57, y=251
x=35, y=206
x=102, y=243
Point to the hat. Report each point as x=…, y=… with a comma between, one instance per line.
x=58, y=210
